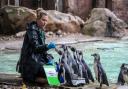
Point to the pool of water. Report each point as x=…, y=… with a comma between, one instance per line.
x=113, y=54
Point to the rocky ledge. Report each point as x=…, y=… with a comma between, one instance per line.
x=13, y=81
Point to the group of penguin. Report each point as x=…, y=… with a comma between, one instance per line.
x=73, y=66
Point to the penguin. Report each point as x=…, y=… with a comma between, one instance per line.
x=82, y=67
x=71, y=62
x=99, y=71
x=87, y=74
x=81, y=71
x=123, y=75
x=78, y=67
x=68, y=58
x=60, y=71
x=66, y=69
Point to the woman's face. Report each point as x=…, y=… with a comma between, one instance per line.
x=42, y=21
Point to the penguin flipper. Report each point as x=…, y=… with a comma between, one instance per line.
x=105, y=80
x=102, y=75
x=120, y=79
x=100, y=72
x=85, y=75
x=90, y=75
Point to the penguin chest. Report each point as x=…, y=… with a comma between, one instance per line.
x=96, y=70
x=125, y=77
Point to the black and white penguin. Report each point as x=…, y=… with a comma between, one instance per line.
x=123, y=75
x=87, y=74
x=99, y=71
x=67, y=68
x=68, y=58
x=78, y=67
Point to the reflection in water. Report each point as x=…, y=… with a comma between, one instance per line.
x=112, y=56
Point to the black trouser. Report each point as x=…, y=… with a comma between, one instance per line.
x=41, y=72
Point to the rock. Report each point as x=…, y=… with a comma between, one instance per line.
x=96, y=24
x=64, y=34
x=65, y=22
x=5, y=38
x=5, y=87
x=20, y=34
x=48, y=34
x=14, y=19
x=124, y=38
x=38, y=87
x=59, y=33
x=2, y=48
x=123, y=87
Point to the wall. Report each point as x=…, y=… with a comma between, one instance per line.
x=120, y=8
x=80, y=7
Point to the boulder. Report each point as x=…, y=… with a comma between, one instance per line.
x=13, y=19
x=96, y=24
x=62, y=21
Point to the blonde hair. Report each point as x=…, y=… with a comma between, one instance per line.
x=41, y=13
